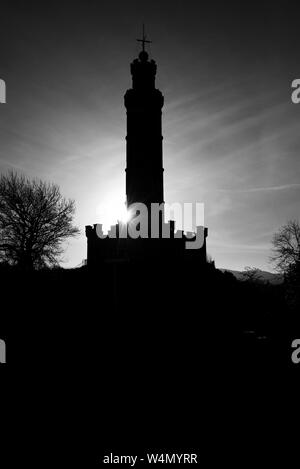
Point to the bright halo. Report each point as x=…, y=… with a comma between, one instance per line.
x=111, y=211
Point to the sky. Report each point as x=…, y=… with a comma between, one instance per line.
x=231, y=132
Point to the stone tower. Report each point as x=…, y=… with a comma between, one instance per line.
x=144, y=156
x=144, y=184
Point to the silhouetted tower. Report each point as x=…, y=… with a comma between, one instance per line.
x=144, y=184
x=144, y=162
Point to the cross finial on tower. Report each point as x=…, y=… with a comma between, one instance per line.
x=144, y=40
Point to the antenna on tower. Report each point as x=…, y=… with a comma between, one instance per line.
x=144, y=40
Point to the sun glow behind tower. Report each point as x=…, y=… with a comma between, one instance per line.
x=112, y=209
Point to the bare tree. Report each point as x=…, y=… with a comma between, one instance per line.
x=34, y=221
x=251, y=274
x=286, y=246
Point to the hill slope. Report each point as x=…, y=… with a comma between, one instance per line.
x=274, y=279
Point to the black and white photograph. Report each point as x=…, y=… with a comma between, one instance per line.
x=149, y=233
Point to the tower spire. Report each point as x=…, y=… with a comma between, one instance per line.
x=144, y=40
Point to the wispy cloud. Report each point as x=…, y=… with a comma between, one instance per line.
x=262, y=189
